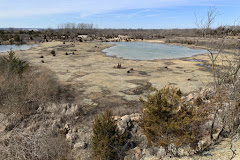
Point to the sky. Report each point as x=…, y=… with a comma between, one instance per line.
x=145, y=14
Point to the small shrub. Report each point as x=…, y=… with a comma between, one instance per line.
x=166, y=120
x=23, y=94
x=107, y=141
x=12, y=65
x=23, y=87
x=22, y=144
x=53, y=52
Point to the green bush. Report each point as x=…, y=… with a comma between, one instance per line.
x=107, y=140
x=167, y=120
x=12, y=65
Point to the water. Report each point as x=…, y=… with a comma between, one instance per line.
x=5, y=48
x=149, y=51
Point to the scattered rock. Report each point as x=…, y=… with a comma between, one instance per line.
x=172, y=149
x=133, y=154
x=189, y=97
x=125, y=123
x=71, y=136
x=81, y=145
x=88, y=102
x=205, y=142
x=161, y=152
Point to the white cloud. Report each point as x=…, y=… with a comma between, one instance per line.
x=23, y=8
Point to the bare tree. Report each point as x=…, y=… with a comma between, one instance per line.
x=225, y=68
x=205, y=25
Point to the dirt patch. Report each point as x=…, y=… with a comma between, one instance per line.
x=138, y=81
x=164, y=69
x=169, y=63
x=137, y=73
x=134, y=91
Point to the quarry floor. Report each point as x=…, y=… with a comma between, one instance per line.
x=98, y=82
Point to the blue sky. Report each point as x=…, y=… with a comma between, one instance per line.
x=115, y=13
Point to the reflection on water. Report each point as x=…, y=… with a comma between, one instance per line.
x=5, y=48
x=149, y=51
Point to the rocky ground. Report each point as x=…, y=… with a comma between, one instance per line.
x=225, y=149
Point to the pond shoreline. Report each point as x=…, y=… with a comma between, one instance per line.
x=6, y=48
x=128, y=50
x=162, y=41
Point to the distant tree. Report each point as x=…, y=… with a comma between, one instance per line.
x=17, y=38
x=205, y=25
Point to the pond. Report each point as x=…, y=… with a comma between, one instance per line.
x=149, y=51
x=5, y=48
